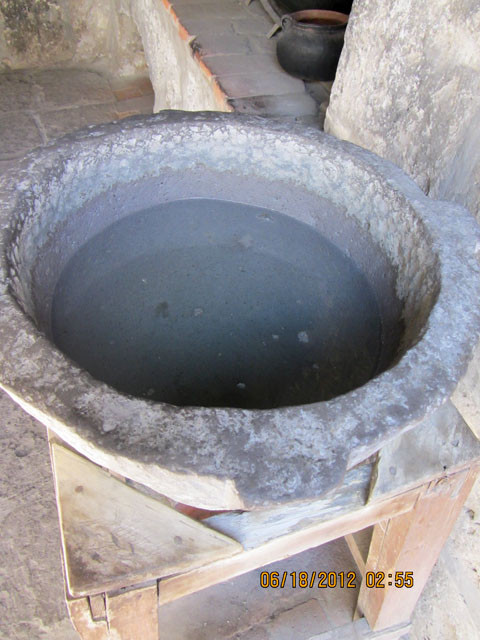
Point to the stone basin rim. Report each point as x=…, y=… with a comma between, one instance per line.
x=153, y=443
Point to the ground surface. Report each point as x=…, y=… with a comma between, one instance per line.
x=34, y=108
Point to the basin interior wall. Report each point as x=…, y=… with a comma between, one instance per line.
x=289, y=216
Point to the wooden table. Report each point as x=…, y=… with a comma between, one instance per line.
x=127, y=550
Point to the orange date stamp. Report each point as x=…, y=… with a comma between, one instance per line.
x=334, y=579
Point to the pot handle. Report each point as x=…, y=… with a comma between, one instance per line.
x=286, y=21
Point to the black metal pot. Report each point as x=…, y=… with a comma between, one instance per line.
x=310, y=43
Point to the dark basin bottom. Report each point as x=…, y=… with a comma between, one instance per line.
x=212, y=303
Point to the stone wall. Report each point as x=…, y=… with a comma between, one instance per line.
x=93, y=34
x=408, y=88
x=178, y=80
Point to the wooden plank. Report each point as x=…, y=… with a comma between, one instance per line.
x=439, y=446
x=412, y=542
x=114, y=536
x=253, y=528
x=284, y=547
x=133, y=615
x=359, y=545
x=83, y=623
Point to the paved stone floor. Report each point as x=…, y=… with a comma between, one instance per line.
x=34, y=108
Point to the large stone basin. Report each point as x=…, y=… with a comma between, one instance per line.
x=229, y=310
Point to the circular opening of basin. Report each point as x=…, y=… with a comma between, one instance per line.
x=248, y=308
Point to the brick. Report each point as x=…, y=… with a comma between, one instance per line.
x=70, y=88
x=18, y=135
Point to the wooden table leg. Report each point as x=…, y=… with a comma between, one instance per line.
x=124, y=615
x=411, y=542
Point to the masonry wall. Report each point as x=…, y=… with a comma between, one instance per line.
x=408, y=88
x=93, y=34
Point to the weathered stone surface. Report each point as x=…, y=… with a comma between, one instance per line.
x=31, y=582
x=177, y=78
x=17, y=92
x=234, y=458
x=295, y=104
x=78, y=33
x=12, y=145
x=242, y=85
x=57, y=123
x=60, y=88
x=407, y=88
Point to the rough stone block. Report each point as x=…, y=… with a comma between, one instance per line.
x=18, y=134
x=58, y=123
x=138, y=84
x=16, y=92
x=407, y=89
x=176, y=75
x=143, y=104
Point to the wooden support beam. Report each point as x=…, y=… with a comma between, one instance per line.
x=283, y=547
x=84, y=623
x=359, y=544
x=114, y=536
x=411, y=541
x=133, y=615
